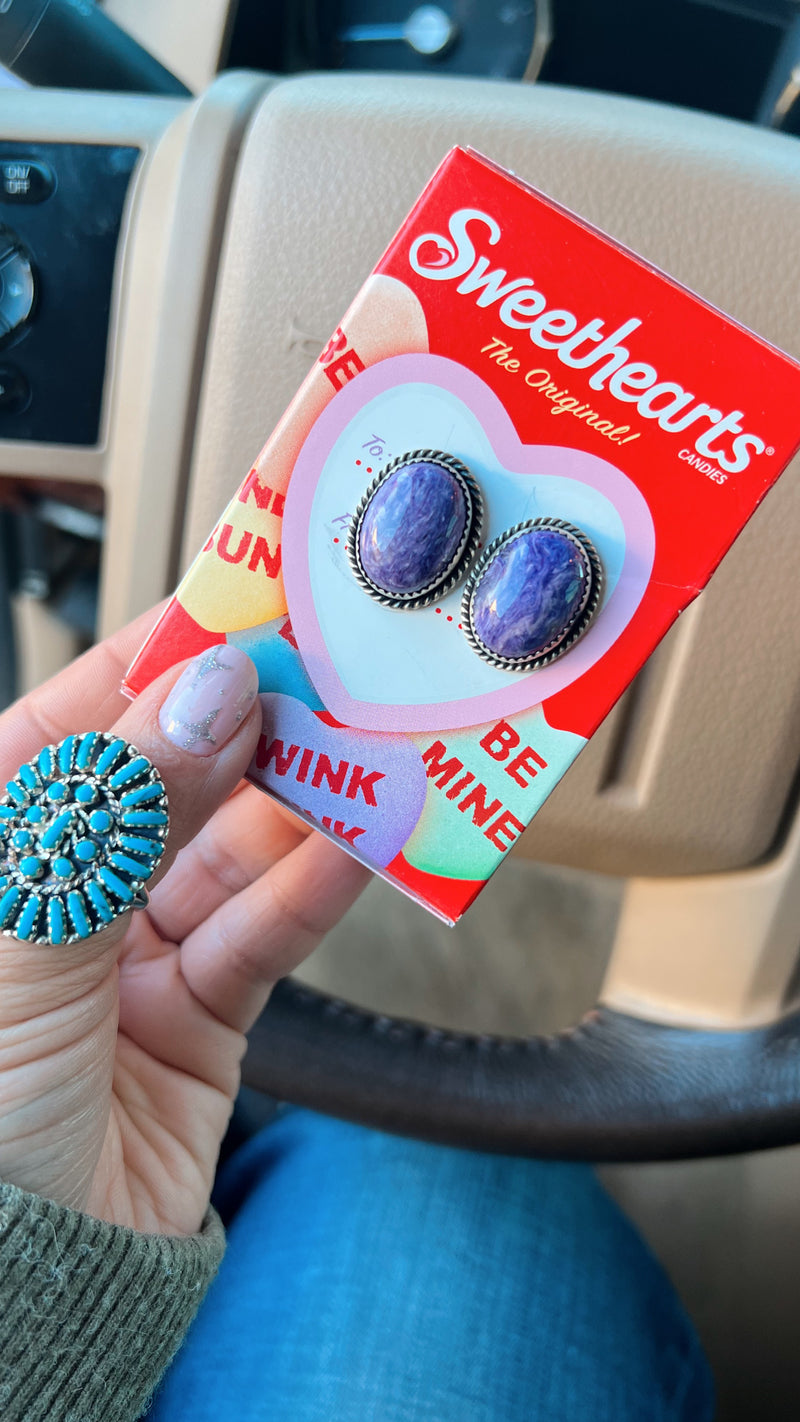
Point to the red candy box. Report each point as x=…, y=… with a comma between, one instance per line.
x=521, y=454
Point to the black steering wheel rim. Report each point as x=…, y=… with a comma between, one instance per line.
x=612, y=1088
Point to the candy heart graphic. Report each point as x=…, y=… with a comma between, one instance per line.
x=385, y=670
x=368, y=790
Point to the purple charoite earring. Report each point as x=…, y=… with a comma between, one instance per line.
x=532, y=594
x=416, y=530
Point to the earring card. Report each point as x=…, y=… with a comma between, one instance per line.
x=583, y=390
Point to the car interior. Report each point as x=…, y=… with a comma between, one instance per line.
x=190, y=196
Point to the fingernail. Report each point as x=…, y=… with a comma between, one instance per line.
x=209, y=700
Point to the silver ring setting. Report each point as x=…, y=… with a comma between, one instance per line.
x=448, y=573
x=580, y=582
x=82, y=828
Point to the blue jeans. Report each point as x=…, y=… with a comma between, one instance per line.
x=373, y=1279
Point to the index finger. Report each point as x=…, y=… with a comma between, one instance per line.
x=85, y=696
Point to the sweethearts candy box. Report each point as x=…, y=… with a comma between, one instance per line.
x=521, y=454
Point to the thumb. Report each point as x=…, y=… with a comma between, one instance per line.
x=200, y=731
x=198, y=725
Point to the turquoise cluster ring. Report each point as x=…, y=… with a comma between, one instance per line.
x=83, y=826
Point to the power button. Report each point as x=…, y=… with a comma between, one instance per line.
x=24, y=179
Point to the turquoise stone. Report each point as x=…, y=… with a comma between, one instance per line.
x=8, y=904
x=100, y=821
x=112, y=881
x=22, y=839
x=35, y=815
x=99, y=901
x=531, y=594
x=130, y=866
x=55, y=832
x=144, y=817
x=76, y=906
x=85, y=749
x=27, y=775
x=412, y=528
x=57, y=791
x=110, y=756
x=86, y=794
x=65, y=752
x=31, y=866
x=62, y=867
x=56, y=924
x=26, y=924
x=153, y=848
x=85, y=850
x=131, y=771
x=142, y=795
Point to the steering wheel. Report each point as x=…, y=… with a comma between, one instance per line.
x=253, y=215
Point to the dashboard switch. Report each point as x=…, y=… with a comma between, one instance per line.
x=15, y=392
x=17, y=286
x=25, y=180
x=57, y=283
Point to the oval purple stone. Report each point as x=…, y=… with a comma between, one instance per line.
x=531, y=594
x=412, y=527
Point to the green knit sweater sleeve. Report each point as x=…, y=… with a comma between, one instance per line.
x=91, y=1313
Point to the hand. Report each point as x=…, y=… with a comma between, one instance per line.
x=119, y=1055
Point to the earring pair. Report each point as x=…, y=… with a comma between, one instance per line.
x=416, y=534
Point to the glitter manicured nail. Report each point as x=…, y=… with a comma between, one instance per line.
x=209, y=700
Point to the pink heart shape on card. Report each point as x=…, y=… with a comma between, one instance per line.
x=560, y=465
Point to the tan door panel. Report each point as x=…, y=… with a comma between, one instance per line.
x=187, y=37
x=165, y=303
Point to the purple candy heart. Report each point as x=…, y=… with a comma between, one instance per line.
x=367, y=789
